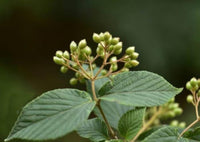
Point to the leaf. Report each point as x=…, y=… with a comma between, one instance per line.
x=138, y=88
x=94, y=129
x=114, y=140
x=166, y=134
x=52, y=115
x=131, y=122
x=149, y=132
x=113, y=112
x=193, y=134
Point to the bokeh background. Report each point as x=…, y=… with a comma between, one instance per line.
x=165, y=33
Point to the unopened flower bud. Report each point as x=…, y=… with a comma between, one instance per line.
x=125, y=69
x=104, y=72
x=63, y=69
x=107, y=36
x=113, y=59
x=94, y=66
x=174, y=123
x=130, y=50
x=198, y=82
x=82, y=44
x=66, y=55
x=189, y=99
x=188, y=85
x=87, y=50
x=101, y=35
x=134, y=55
x=114, y=67
x=73, y=46
x=96, y=38
x=193, y=82
x=73, y=81
x=114, y=40
x=59, y=53
x=117, y=52
x=178, y=111
x=134, y=63
x=118, y=46
x=58, y=60
x=182, y=125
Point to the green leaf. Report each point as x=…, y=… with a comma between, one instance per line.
x=114, y=140
x=166, y=134
x=113, y=112
x=52, y=115
x=94, y=129
x=193, y=134
x=131, y=122
x=138, y=88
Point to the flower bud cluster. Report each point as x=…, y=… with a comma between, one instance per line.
x=171, y=110
x=107, y=49
x=194, y=87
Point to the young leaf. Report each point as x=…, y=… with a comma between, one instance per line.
x=113, y=112
x=52, y=115
x=138, y=88
x=94, y=129
x=131, y=122
x=166, y=134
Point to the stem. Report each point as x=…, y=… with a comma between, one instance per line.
x=145, y=126
x=100, y=109
x=192, y=124
x=106, y=121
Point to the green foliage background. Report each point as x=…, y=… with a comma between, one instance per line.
x=165, y=33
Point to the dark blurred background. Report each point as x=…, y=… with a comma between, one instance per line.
x=165, y=33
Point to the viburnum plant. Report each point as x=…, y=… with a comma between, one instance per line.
x=126, y=106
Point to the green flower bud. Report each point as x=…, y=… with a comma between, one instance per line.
x=195, y=88
x=174, y=123
x=127, y=65
x=113, y=59
x=126, y=58
x=59, y=54
x=130, y=50
x=66, y=55
x=193, y=81
x=75, y=66
x=58, y=60
x=134, y=55
x=188, y=85
x=107, y=36
x=118, y=46
x=73, y=81
x=101, y=35
x=182, y=125
x=82, y=80
x=189, y=99
x=178, y=111
x=73, y=46
x=94, y=66
x=114, y=40
x=172, y=100
x=111, y=48
x=114, y=67
x=96, y=38
x=104, y=72
x=134, y=63
x=63, y=69
x=87, y=50
x=117, y=52
x=99, y=51
x=77, y=75
x=125, y=69
x=171, y=114
x=82, y=44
